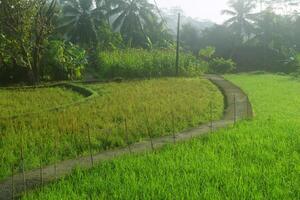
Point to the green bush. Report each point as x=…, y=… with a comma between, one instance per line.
x=138, y=63
x=207, y=53
x=63, y=61
x=221, y=66
x=292, y=64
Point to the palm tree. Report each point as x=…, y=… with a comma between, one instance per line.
x=241, y=17
x=80, y=19
x=131, y=18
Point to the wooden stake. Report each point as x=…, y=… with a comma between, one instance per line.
x=234, y=100
x=247, y=102
x=41, y=173
x=23, y=165
x=148, y=129
x=12, y=183
x=90, y=145
x=211, y=117
x=173, y=126
x=127, y=134
x=56, y=157
x=41, y=163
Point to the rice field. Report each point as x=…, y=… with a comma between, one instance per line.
x=20, y=101
x=121, y=114
x=257, y=159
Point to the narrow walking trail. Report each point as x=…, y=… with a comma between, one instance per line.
x=237, y=105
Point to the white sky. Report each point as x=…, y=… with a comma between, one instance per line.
x=200, y=9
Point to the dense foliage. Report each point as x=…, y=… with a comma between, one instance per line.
x=138, y=63
x=30, y=31
x=64, y=61
x=59, y=39
x=257, y=159
x=221, y=66
x=25, y=26
x=215, y=64
x=149, y=105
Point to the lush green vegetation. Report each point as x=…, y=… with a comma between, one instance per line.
x=256, y=159
x=134, y=63
x=51, y=40
x=20, y=101
x=36, y=36
x=142, y=105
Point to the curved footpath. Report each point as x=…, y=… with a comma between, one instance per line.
x=237, y=108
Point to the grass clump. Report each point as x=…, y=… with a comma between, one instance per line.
x=256, y=159
x=55, y=136
x=138, y=63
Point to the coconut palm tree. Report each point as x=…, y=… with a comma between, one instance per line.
x=80, y=19
x=241, y=21
x=131, y=17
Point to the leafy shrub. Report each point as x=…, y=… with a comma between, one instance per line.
x=207, y=53
x=292, y=64
x=138, y=63
x=221, y=65
x=63, y=61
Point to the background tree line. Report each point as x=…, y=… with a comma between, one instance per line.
x=58, y=39
x=258, y=35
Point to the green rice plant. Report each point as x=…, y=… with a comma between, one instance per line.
x=64, y=133
x=138, y=63
x=20, y=101
x=257, y=159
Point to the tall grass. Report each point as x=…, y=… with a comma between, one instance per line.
x=105, y=116
x=257, y=159
x=138, y=63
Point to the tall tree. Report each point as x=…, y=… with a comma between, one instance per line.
x=25, y=26
x=286, y=7
x=190, y=38
x=80, y=19
x=131, y=18
x=241, y=17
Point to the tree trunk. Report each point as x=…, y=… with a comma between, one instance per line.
x=36, y=63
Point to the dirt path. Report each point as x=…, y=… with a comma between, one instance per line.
x=237, y=107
